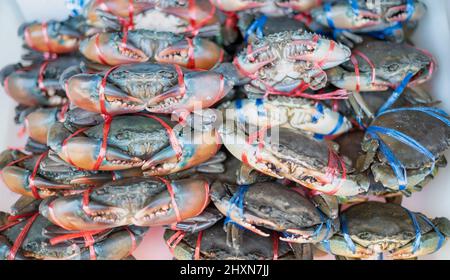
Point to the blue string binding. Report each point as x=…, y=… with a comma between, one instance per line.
x=418, y=231
x=256, y=27
x=237, y=200
x=396, y=94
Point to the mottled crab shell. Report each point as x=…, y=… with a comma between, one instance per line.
x=372, y=222
x=392, y=61
x=430, y=132
x=214, y=246
x=134, y=135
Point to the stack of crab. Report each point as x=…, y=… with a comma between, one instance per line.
x=319, y=106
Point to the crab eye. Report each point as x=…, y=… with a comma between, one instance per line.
x=265, y=209
x=364, y=235
x=392, y=67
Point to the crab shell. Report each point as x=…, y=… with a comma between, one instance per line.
x=155, y=87
x=377, y=227
x=414, y=124
x=133, y=201
x=295, y=113
x=145, y=45
x=290, y=213
x=284, y=60
x=286, y=153
x=109, y=245
x=392, y=61
x=214, y=246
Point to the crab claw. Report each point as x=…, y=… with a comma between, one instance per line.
x=202, y=146
x=67, y=212
x=203, y=89
x=84, y=152
x=109, y=48
x=83, y=91
x=255, y=59
x=38, y=122
x=138, y=201
x=18, y=180
x=342, y=17
x=350, y=81
x=53, y=37
x=298, y=5
x=22, y=87
x=237, y=5
x=401, y=13
x=198, y=53
x=326, y=52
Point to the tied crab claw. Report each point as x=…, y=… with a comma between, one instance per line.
x=286, y=153
x=138, y=46
x=159, y=88
x=134, y=201
x=253, y=208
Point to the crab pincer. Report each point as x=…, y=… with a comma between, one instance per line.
x=289, y=61
x=293, y=215
x=134, y=201
x=115, y=48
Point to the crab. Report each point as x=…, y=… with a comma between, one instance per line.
x=286, y=153
x=294, y=216
x=194, y=17
x=388, y=65
x=301, y=114
x=55, y=37
x=373, y=228
x=382, y=19
x=42, y=240
x=157, y=88
x=37, y=84
x=133, y=201
x=418, y=155
x=154, y=144
x=52, y=176
x=144, y=45
x=214, y=245
x=285, y=61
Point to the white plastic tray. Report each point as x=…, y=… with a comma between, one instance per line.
x=433, y=34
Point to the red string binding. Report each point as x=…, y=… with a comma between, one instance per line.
x=197, y=245
x=21, y=237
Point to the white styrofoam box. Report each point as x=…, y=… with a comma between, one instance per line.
x=432, y=34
